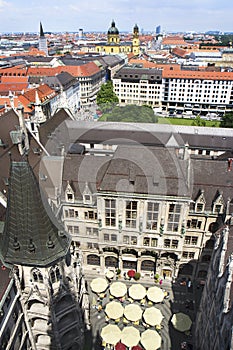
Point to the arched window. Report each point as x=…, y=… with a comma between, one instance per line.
x=93, y=259
x=111, y=261
x=55, y=274
x=148, y=265
x=37, y=276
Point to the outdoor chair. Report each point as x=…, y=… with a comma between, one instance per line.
x=125, y=321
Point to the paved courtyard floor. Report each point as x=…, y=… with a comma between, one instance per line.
x=180, y=299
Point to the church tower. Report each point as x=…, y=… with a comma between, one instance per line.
x=47, y=276
x=43, y=46
x=136, y=43
x=113, y=34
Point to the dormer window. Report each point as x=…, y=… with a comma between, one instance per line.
x=70, y=197
x=199, y=207
x=87, y=195
x=69, y=193
x=218, y=204
x=200, y=203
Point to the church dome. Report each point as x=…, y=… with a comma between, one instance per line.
x=113, y=29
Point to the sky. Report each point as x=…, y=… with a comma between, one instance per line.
x=94, y=15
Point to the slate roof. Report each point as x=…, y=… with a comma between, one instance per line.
x=213, y=177
x=134, y=170
x=149, y=134
x=32, y=236
x=135, y=73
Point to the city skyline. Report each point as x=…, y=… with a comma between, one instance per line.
x=69, y=16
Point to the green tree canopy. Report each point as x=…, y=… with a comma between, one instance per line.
x=106, y=97
x=130, y=114
x=227, y=120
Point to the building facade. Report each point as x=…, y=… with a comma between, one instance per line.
x=215, y=315
x=175, y=90
x=116, y=46
x=152, y=206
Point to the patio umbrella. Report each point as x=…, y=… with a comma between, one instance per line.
x=114, y=310
x=133, y=312
x=181, y=322
x=130, y=336
x=131, y=273
x=109, y=274
x=99, y=285
x=111, y=334
x=120, y=346
x=155, y=294
x=118, y=289
x=153, y=316
x=137, y=291
x=150, y=340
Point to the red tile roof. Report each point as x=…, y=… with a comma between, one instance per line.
x=14, y=87
x=28, y=99
x=204, y=75
x=13, y=79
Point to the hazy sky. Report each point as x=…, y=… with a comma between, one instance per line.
x=94, y=15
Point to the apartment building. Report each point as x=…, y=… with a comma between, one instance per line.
x=138, y=86
x=199, y=91
x=175, y=90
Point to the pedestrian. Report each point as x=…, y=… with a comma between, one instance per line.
x=160, y=282
x=164, y=275
x=189, y=283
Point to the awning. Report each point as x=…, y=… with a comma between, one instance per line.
x=129, y=258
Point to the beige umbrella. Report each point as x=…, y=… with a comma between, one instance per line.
x=114, y=310
x=155, y=294
x=99, y=285
x=118, y=289
x=111, y=334
x=181, y=322
x=109, y=274
x=150, y=340
x=153, y=316
x=133, y=312
x=137, y=291
x=130, y=336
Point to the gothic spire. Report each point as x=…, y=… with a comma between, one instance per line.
x=41, y=30
x=32, y=236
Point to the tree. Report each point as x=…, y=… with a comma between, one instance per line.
x=227, y=120
x=198, y=121
x=106, y=97
x=130, y=114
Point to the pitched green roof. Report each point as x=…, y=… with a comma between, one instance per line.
x=32, y=235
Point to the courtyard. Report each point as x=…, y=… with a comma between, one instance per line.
x=177, y=298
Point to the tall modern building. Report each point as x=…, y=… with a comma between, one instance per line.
x=158, y=30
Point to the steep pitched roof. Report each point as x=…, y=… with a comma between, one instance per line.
x=31, y=236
